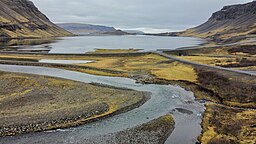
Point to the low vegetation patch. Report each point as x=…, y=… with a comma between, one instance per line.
x=244, y=62
x=209, y=60
x=237, y=56
x=222, y=124
x=247, y=49
x=176, y=72
x=234, y=90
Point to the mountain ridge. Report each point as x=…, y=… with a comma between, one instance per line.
x=231, y=23
x=90, y=29
x=22, y=19
x=79, y=28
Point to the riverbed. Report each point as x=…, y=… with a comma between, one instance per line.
x=164, y=99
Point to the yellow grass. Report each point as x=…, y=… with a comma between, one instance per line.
x=3, y=20
x=151, y=64
x=208, y=60
x=176, y=71
x=208, y=135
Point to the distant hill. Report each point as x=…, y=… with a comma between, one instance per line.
x=235, y=21
x=21, y=18
x=78, y=28
x=87, y=29
x=135, y=32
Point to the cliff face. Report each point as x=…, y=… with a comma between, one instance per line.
x=231, y=21
x=21, y=18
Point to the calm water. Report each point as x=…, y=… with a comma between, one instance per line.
x=65, y=61
x=84, y=44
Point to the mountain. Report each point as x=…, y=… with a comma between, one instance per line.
x=87, y=29
x=116, y=32
x=22, y=19
x=231, y=22
x=135, y=32
x=78, y=28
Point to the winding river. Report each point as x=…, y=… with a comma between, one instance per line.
x=164, y=99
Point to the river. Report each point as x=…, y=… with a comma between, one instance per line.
x=164, y=99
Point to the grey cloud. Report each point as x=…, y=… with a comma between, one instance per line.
x=163, y=14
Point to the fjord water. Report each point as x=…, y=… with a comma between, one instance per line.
x=83, y=44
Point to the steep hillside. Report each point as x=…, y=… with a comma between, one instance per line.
x=86, y=29
x=230, y=22
x=21, y=18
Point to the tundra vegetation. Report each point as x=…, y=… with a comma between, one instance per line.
x=221, y=89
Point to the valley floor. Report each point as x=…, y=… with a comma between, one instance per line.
x=230, y=96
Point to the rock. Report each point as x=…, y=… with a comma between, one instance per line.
x=235, y=11
x=184, y=111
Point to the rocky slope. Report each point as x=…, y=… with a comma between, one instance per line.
x=87, y=29
x=233, y=21
x=21, y=18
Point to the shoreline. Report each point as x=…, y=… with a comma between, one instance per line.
x=155, y=131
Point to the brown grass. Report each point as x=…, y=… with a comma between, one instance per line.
x=232, y=89
x=223, y=124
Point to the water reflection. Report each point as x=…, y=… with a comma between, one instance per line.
x=83, y=44
x=27, y=45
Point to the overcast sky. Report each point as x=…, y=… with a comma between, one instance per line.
x=147, y=15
